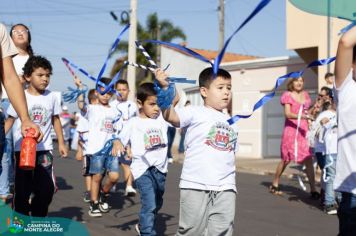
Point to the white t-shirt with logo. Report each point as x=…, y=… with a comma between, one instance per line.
x=148, y=138
x=41, y=109
x=345, y=179
x=126, y=111
x=211, y=144
x=100, y=126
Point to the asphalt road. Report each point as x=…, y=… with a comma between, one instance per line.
x=257, y=211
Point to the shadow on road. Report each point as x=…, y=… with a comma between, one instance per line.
x=74, y=213
x=161, y=224
x=62, y=184
x=296, y=194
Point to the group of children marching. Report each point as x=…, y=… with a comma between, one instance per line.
x=117, y=131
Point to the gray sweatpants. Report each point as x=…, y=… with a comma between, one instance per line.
x=207, y=213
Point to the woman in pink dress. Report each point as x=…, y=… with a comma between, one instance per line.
x=294, y=145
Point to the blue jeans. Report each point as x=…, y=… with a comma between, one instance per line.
x=181, y=147
x=330, y=171
x=99, y=164
x=171, y=133
x=151, y=188
x=7, y=169
x=347, y=215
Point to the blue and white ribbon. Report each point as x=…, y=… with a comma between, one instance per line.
x=98, y=83
x=279, y=82
x=72, y=94
x=220, y=56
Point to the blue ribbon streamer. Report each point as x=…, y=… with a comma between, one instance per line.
x=73, y=93
x=106, y=150
x=181, y=80
x=218, y=59
x=107, y=88
x=347, y=28
x=220, y=56
x=279, y=82
x=71, y=64
x=165, y=97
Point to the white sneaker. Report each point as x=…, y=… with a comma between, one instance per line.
x=130, y=191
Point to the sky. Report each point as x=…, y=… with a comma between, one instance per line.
x=83, y=30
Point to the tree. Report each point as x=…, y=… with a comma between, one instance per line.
x=155, y=29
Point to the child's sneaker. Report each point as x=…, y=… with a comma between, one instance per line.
x=137, y=228
x=103, y=202
x=86, y=197
x=330, y=209
x=130, y=191
x=94, y=209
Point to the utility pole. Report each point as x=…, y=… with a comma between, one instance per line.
x=158, y=52
x=221, y=10
x=131, y=71
x=328, y=41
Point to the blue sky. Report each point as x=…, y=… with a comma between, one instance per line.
x=83, y=30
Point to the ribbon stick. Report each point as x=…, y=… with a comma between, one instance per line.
x=145, y=53
x=171, y=79
x=141, y=66
x=154, y=66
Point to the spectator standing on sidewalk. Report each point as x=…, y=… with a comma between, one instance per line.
x=296, y=102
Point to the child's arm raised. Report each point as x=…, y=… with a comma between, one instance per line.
x=169, y=114
x=56, y=122
x=344, y=56
x=80, y=101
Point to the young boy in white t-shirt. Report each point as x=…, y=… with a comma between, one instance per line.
x=83, y=130
x=128, y=110
x=329, y=139
x=207, y=185
x=44, y=110
x=102, y=129
x=345, y=85
x=147, y=135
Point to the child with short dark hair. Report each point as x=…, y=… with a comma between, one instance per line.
x=44, y=110
x=101, y=119
x=147, y=134
x=207, y=185
x=128, y=110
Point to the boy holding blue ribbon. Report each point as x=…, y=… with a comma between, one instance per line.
x=147, y=134
x=101, y=147
x=207, y=185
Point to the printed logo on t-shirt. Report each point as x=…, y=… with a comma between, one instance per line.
x=39, y=115
x=107, y=125
x=153, y=139
x=221, y=137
